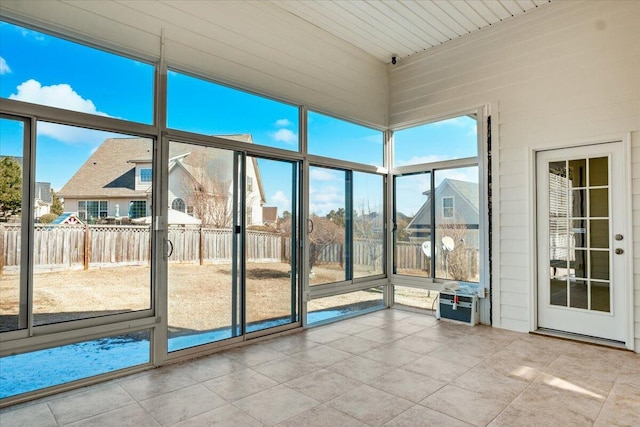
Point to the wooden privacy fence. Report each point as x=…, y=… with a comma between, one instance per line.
x=60, y=247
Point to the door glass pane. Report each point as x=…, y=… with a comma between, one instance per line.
x=598, y=202
x=600, y=296
x=90, y=257
x=599, y=171
x=368, y=235
x=11, y=171
x=578, y=173
x=578, y=294
x=600, y=265
x=578, y=264
x=327, y=225
x=578, y=203
x=412, y=223
x=271, y=279
x=457, y=223
x=558, y=295
x=578, y=233
x=599, y=233
x=203, y=286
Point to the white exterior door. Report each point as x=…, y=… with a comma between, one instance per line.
x=582, y=239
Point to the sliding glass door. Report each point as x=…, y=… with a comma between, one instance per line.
x=232, y=264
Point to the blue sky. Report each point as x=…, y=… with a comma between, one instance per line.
x=42, y=69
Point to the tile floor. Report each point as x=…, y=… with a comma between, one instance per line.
x=389, y=368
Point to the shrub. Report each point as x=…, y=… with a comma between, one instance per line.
x=47, y=218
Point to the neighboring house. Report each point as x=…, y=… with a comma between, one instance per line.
x=115, y=183
x=457, y=206
x=43, y=199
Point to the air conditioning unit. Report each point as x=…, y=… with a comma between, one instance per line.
x=457, y=306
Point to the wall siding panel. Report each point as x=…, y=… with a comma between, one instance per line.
x=564, y=74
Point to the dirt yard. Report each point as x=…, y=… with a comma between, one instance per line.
x=200, y=297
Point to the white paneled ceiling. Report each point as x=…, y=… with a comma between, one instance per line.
x=386, y=28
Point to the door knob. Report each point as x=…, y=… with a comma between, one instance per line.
x=619, y=251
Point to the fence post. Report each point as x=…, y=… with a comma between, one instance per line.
x=201, y=246
x=87, y=247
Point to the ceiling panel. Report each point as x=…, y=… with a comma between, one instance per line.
x=384, y=28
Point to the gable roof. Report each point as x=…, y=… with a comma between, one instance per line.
x=110, y=170
x=467, y=190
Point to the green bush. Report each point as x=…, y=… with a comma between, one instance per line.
x=47, y=218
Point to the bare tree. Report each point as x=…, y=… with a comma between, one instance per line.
x=325, y=232
x=459, y=261
x=367, y=229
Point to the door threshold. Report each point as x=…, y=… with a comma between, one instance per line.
x=580, y=338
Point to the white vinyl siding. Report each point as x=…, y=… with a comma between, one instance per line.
x=563, y=74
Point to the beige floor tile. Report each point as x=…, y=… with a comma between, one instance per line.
x=182, y=404
x=323, y=335
x=420, y=416
x=491, y=384
x=441, y=370
x=516, y=416
x=360, y=369
x=440, y=333
x=403, y=327
x=240, y=384
x=561, y=400
x=322, y=416
x=391, y=355
x=322, y=355
x=290, y=344
x=418, y=344
x=457, y=354
x=33, y=415
x=352, y=328
x=354, y=344
x=323, y=385
x=370, y=405
x=92, y=401
x=408, y=385
x=224, y=416
x=285, y=369
x=276, y=404
x=208, y=367
x=465, y=405
x=129, y=416
x=252, y=355
x=381, y=336
x=155, y=382
x=622, y=408
x=424, y=320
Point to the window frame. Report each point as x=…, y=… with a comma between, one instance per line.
x=446, y=209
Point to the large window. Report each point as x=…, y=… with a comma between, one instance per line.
x=137, y=209
x=338, y=139
x=58, y=73
x=203, y=107
x=91, y=210
x=437, y=212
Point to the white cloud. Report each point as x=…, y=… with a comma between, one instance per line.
x=61, y=96
x=415, y=160
x=322, y=175
x=31, y=34
x=461, y=121
x=283, y=123
x=281, y=201
x=4, y=67
x=285, y=135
